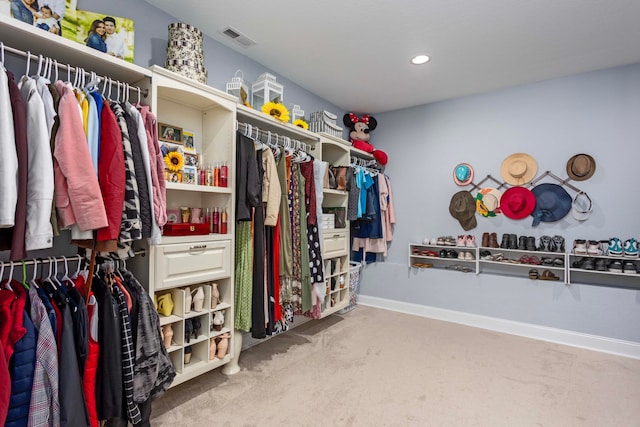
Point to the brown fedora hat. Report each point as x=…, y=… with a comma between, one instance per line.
x=581, y=167
x=463, y=208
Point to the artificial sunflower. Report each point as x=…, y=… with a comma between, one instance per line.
x=277, y=111
x=301, y=123
x=174, y=161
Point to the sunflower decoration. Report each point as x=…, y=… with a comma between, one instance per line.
x=174, y=161
x=277, y=111
x=301, y=123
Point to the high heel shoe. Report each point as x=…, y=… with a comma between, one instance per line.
x=165, y=304
x=218, y=320
x=187, y=355
x=215, y=295
x=187, y=300
x=167, y=335
x=198, y=298
x=212, y=348
x=223, y=345
x=188, y=330
x=196, y=325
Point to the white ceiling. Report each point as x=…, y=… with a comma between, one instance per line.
x=356, y=53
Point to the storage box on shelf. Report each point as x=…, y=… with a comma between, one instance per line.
x=180, y=264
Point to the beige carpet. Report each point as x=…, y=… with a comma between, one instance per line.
x=374, y=367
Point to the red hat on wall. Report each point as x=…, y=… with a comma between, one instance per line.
x=517, y=202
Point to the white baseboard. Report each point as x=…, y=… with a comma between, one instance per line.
x=559, y=336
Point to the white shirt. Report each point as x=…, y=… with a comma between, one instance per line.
x=115, y=43
x=9, y=163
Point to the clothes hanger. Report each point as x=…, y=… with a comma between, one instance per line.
x=66, y=278
x=24, y=276
x=2, y=54
x=28, y=63
x=35, y=271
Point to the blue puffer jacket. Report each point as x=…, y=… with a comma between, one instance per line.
x=21, y=367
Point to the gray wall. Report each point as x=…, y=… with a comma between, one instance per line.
x=596, y=113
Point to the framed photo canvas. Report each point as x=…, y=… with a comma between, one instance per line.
x=169, y=133
x=188, y=141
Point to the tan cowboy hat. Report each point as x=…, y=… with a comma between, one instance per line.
x=581, y=167
x=518, y=169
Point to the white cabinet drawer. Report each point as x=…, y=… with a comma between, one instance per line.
x=336, y=243
x=186, y=263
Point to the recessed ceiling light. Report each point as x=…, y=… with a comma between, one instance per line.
x=420, y=59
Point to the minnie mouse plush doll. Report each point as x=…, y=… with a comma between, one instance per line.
x=360, y=134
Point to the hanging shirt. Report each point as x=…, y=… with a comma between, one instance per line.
x=39, y=234
x=363, y=181
x=9, y=164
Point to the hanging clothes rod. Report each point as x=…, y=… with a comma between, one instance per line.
x=272, y=137
x=49, y=260
x=66, y=67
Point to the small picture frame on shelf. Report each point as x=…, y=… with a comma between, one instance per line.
x=191, y=160
x=189, y=175
x=173, y=176
x=173, y=216
x=169, y=133
x=188, y=141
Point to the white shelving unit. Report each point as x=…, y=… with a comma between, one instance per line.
x=514, y=264
x=181, y=262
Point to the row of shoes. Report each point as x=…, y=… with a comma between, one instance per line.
x=465, y=241
x=603, y=264
x=525, y=259
x=613, y=247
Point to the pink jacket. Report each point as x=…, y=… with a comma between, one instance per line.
x=157, y=166
x=77, y=193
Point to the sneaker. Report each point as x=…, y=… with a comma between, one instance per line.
x=594, y=248
x=461, y=241
x=471, y=241
x=485, y=255
x=601, y=264
x=452, y=254
x=615, y=267
x=461, y=255
x=580, y=247
x=629, y=268
x=631, y=248
x=433, y=241
x=545, y=244
x=469, y=256
x=615, y=246
x=426, y=241
x=440, y=241
x=558, y=243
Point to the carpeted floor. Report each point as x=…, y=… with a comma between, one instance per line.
x=373, y=367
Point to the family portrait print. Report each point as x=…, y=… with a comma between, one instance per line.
x=188, y=141
x=169, y=133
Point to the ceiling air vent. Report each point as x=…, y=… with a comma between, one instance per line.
x=238, y=37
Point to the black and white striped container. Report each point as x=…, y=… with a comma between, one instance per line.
x=185, y=54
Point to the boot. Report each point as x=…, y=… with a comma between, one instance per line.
x=485, y=240
x=505, y=241
x=493, y=240
x=522, y=243
x=512, y=241
x=531, y=244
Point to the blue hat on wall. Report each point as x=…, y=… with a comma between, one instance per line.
x=463, y=174
x=552, y=203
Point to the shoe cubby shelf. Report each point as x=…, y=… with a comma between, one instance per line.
x=511, y=262
x=336, y=278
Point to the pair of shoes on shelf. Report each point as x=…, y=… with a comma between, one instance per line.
x=448, y=253
x=466, y=255
x=490, y=240
x=509, y=241
x=551, y=244
x=587, y=247
x=458, y=267
x=467, y=241
x=628, y=249
x=546, y=275
x=191, y=328
x=527, y=243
